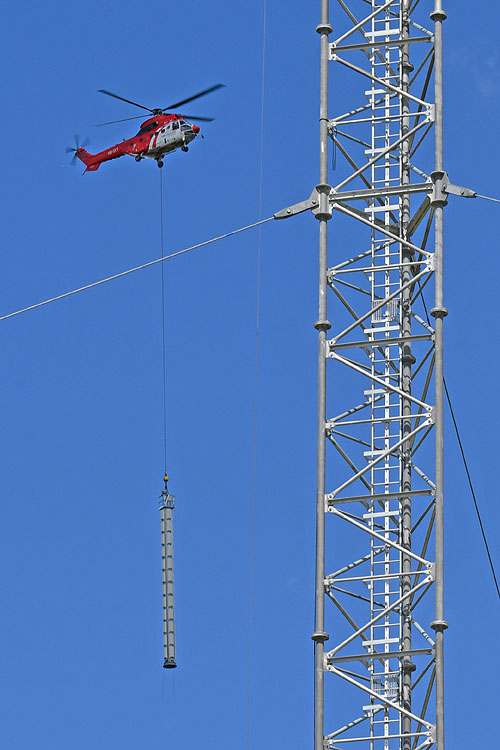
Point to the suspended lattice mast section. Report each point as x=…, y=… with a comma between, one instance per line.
x=379, y=593
x=167, y=505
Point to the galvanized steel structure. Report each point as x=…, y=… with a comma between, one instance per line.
x=379, y=561
x=167, y=505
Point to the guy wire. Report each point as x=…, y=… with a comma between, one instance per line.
x=487, y=198
x=256, y=386
x=136, y=268
x=466, y=466
x=469, y=479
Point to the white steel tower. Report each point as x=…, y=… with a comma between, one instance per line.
x=379, y=561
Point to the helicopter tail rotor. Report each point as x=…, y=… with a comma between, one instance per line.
x=77, y=147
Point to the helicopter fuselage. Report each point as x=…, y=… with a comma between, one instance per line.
x=158, y=135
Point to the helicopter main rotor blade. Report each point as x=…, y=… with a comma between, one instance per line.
x=139, y=117
x=199, y=119
x=112, y=122
x=196, y=96
x=110, y=93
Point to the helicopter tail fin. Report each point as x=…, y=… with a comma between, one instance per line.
x=88, y=160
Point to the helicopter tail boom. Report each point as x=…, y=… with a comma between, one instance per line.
x=88, y=159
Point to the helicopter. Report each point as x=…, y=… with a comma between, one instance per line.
x=160, y=134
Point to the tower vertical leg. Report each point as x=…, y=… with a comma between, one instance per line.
x=322, y=325
x=439, y=312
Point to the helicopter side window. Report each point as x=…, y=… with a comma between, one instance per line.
x=175, y=126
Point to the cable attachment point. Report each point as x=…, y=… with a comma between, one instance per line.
x=311, y=203
x=443, y=187
x=462, y=192
x=324, y=212
x=439, y=195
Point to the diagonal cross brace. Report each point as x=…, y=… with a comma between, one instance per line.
x=380, y=537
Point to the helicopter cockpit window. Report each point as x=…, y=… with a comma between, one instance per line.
x=147, y=128
x=175, y=126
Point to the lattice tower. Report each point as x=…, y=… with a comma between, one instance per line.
x=379, y=583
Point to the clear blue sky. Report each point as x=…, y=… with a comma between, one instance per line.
x=81, y=395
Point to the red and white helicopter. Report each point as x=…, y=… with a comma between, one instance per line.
x=159, y=134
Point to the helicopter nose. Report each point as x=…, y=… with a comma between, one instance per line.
x=196, y=129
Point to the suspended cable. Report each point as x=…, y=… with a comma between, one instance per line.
x=136, y=268
x=167, y=501
x=466, y=466
x=164, y=353
x=256, y=385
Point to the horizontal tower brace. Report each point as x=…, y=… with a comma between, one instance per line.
x=376, y=655
x=381, y=420
x=377, y=45
x=378, y=269
x=380, y=342
x=333, y=500
x=382, y=737
x=382, y=577
x=374, y=120
x=352, y=195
